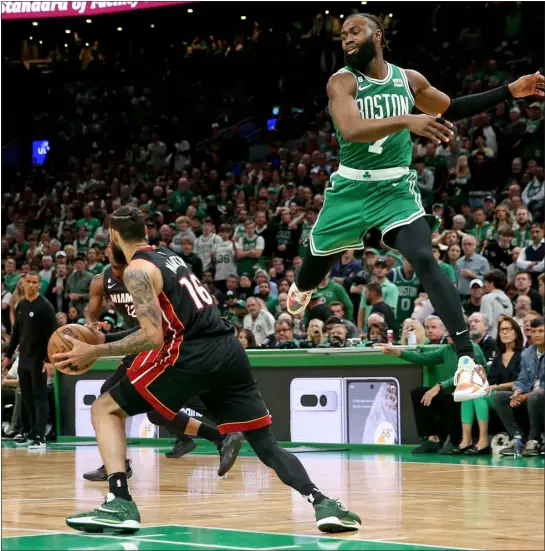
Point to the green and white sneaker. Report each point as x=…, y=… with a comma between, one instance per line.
x=115, y=515
x=332, y=516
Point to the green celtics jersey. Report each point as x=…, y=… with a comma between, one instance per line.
x=380, y=99
x=408, y=292
x=247, y=244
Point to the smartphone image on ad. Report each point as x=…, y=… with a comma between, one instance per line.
x=373, y=407
x=316, y=410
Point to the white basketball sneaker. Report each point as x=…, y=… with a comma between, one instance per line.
x=298, y=300
x=470, y=380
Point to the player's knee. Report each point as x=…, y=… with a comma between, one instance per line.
x=105, y=405
x=422, y=258
x=263, y=443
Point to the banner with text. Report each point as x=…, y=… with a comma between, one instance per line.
x=37, y=10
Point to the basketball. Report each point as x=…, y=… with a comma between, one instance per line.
x=59, y=343
x=470, y=384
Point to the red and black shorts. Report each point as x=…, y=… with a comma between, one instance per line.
x=217, y=370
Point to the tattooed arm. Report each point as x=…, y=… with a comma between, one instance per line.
x=143, y=280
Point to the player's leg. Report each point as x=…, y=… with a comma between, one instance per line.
x=184, y=426
x=331, y=516
x=119, y=513
x=99, y=475
x=236, y=404
x=41, y=406
x=339, y=227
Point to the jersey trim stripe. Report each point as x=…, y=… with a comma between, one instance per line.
x=244, y=426
x=376, y=80
x=407, y=85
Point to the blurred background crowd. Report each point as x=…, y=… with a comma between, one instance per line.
x=216, y=125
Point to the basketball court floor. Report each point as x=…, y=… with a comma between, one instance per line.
x=406, y=502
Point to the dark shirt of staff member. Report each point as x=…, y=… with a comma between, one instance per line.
x=35, y=322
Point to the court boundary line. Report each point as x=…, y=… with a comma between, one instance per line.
x=398, y=457
x=424, y=545
x=324, y=536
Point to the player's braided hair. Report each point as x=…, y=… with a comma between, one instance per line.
x=378, y=24
x=129, y=221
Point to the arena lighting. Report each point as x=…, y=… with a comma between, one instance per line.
x=88, y=21
x=30, y=37
x=87, y=44
x=35, y=23
x=67, y=31
x=364, y=2
x=189, y=10
x=119, y=29
x=41, y=41
x=390, y=15
x=341, y=16
x=152, y=26
x=327, y=12
x=243, y=17
x=66, y=45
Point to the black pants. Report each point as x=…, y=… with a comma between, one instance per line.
x=441, y=418
x=33, y=385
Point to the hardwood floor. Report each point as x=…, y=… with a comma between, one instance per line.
x=483, y=506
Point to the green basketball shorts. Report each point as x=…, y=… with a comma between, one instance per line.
x=359, y=200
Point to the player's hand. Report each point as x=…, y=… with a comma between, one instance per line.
x=430, y=395
x=388, y=349
x=82, y=354
x=528, y=85
x=435, y=128
x=49, y=369
x=95, y=328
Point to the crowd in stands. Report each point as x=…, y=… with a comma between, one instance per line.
x=241, y=215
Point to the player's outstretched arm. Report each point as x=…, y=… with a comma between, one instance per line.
x=341, y=89
x=432, y=101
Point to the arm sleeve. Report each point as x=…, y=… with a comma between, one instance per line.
x=468, y=106
x=424, y=357
x=113, y=337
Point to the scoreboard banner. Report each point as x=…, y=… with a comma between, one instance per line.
x=41, y=9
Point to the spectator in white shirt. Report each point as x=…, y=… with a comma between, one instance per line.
x=47, y=268
x=207, y=243
x=532, y=256
x=258, y=320
x=495, y=301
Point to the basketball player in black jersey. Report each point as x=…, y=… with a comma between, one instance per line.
x=110, y=284
x=185, y=349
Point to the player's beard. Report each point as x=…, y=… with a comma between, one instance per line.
x=118, y=255
x=361, y=59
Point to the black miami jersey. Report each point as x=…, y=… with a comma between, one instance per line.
x=115, y=290
x=188, y=309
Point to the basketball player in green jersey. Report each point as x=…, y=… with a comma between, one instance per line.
x=371, y=103
x=408, y=286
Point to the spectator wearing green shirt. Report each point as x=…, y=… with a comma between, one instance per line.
x=181, y=198
x=390, y=293
x=91, y=224
x=447, y=269
x=523, y=236
x=482, y=226
x=11, y=276
x=436, y=414
x=265, y=295
x=334, y=292
x=78, y=284
x=93, y=266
